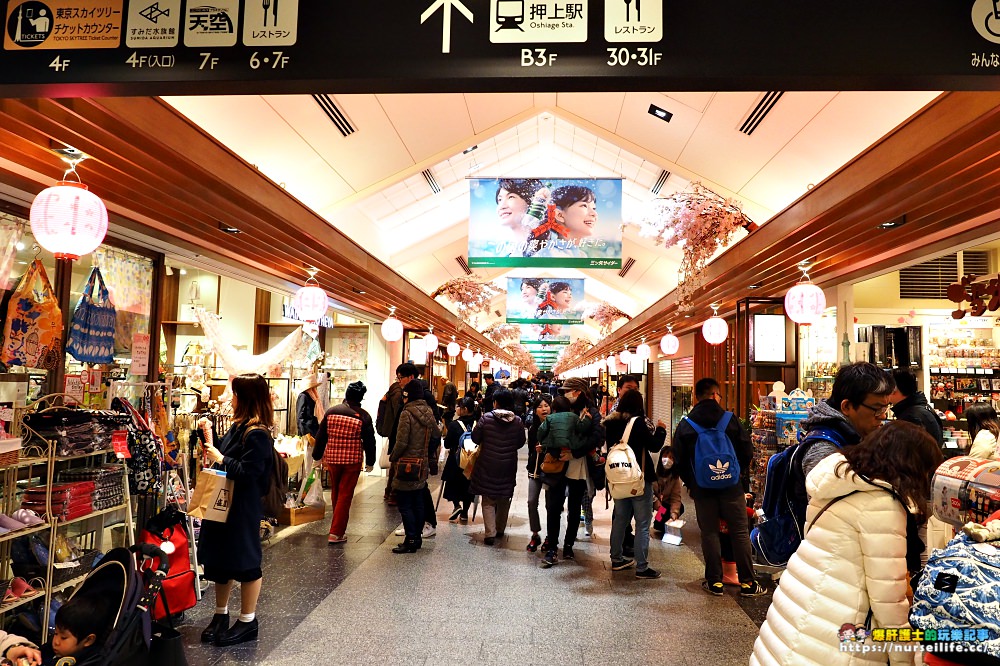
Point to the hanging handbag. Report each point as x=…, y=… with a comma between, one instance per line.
x=33, y=332
x=92, y=332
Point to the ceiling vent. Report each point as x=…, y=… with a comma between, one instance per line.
x=929, y=279
x=431, y=181
x=333, y=112
x=763, y=108
x=629, y=263
x=976, y=262
x=464, y=264
x=660, y=182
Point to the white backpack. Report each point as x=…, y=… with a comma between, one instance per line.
x=623, y=471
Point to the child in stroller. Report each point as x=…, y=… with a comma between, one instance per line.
x=82, y=625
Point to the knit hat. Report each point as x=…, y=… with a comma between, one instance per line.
x=575, y=384
x=413, y=390
x=356, y=391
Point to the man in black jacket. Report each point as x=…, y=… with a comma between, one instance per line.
x=488, y=390
x=909, y=404
x=728, y=504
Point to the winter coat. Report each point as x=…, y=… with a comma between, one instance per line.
x=564, y=430
x=667, y=492
x=499, y=435
x=235, y=544
x=393, y=399
x=640, y=440
x=707, y=414
x=852, y=559
x=984, y=446
x=415, y=433
x=825, y=416
x=347, y=451
x=456, y=486
x=305, y=414
x=915, y=409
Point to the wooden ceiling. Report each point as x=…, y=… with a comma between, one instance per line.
x=172, y=181
x=941, y=170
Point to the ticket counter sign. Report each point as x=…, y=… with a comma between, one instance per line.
x=62, y=24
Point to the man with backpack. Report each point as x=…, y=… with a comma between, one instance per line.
x=712, y=451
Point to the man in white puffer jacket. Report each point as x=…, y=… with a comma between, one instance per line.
x=853, y=557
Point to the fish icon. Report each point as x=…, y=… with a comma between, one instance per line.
x=153, y=12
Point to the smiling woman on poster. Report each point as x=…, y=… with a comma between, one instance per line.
x=530, y=290
x=512, y=198
x=575, y=220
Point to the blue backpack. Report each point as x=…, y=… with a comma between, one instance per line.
x=779, y=534
x=714, y=463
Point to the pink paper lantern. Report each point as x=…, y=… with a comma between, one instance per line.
x=68, y=220
x=392, y=329
x=670, y=344
x=310, y=303
x=715, y=330
x=805, y=303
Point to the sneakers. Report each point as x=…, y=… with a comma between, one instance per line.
x=589, y=529
x=549, y=560
x=568, y=553
x=621, y=565
x=336, y=538
x=534, y=543
x=400, y=532
x=455, y=515
x=489, y=541
x=429, y=531
x=648, y=573
x=546, y=546
x=712, y=588
x=753, y=589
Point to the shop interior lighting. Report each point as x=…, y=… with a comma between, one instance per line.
x=892, y=224
x=662, y=114
x=715, y=330
x=430, y=340
x=225, y=228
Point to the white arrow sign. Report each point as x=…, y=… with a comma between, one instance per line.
x=446, y=7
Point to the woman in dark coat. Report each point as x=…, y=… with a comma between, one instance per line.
x=307, y=414
x=456, y=486
x=499, y=434
x=540, y=409
x=417, y=431
x=231, y=550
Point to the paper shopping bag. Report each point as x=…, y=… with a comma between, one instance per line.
x=212, y=496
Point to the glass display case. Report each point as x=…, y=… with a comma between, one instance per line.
x=818, y=354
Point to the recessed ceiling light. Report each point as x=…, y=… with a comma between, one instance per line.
x=183, y=271
x=892, y=224
x=753, y=286
x=225, y=228
x=687, y=316
x=662, y=114
x=357, y=291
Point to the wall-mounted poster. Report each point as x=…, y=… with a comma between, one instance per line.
x=569, y=222
x=551, y=333
x=545, y=300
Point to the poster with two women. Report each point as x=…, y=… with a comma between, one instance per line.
x=545, y=300
x=545, y=222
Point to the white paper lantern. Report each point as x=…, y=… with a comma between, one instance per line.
x=477, y=360
x=805, y=303
x=68, y=220
x=626, y=357
x=612, y=366
x=454, y=349
x=601, y=363
x=669, y=344
x=467, y=355
x=430, y=343
x=715, y=330
x=392, y=329
x=643, y=352
x=310, y=303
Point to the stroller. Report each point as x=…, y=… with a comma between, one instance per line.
x=134, y=640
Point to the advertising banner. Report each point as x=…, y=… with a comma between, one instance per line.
x=545, y=300
x=572, y=223
x=544, y=333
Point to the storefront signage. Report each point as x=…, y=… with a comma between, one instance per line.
x=120, y=47
x=73, y=387
x=982, y=294
x=768, y=338
x=140, y=354
x=289, y=312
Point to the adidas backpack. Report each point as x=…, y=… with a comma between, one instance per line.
x=714, y=462
x=623, y=471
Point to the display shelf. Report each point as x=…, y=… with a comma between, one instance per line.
x=95, y=514
x=7, y=607
x=26, y=531
x=79, y=456
x=72, y=582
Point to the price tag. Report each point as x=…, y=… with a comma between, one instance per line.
x=980, y=371
x=119, y=441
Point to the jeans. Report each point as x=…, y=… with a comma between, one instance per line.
x=496, y=510
x=343, y=481
x=641, y=508
x=730, y=506
x=430, y=515
x=555, y=497
x=411, y=509
x=534, y=491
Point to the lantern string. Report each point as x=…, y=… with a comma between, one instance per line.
x=72, y=169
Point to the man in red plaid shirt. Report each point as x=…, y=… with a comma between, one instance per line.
x=346, y=431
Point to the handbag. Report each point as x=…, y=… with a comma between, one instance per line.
x=408, y=470
x=33, y=332
x=383, y=459
x=552, y=464
x=92, y=332
x=470, y=465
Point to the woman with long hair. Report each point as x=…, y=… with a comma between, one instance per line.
x=231, y=550
x=984, y=429
x=456, y=486
x=866, y=504
x=540, y=408
x=417, y=430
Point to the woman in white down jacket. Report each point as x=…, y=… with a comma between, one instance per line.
x=854, y=556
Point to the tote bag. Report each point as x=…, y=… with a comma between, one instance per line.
x=33, y=332
x=92, y=332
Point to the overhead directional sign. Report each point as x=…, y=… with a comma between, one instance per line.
x=166, y=47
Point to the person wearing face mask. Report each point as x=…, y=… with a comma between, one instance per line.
x=667, y=504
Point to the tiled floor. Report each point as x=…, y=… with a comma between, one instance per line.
x=458, y=601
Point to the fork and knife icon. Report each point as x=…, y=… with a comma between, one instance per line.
x=628, y=10
x=272, y=5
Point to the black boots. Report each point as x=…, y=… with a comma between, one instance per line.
x=408, y=546
x=218, y=625
x=239, y=633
